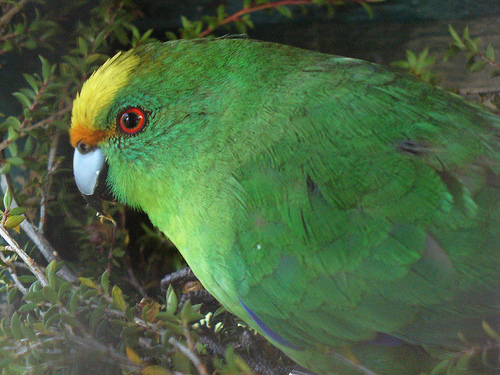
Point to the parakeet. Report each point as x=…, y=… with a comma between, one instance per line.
x=348, y=213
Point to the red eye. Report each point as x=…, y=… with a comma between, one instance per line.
x=132, y=120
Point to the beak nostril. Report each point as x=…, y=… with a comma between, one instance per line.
x=83, y=148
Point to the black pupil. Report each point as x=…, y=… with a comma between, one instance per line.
x=130, y=120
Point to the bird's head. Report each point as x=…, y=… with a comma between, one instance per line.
x=172, y=120
x=91, y=128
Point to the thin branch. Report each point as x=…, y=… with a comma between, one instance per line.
x=45, y=191
x=25, y=130
x=11, y=13
x=237, y=16
x=40, y=241
x=202, y=370
x=35, y=270
x=12, y=272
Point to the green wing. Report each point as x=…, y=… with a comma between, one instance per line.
x=373, y=221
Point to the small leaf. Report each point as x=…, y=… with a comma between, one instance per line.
x=23, y=99
x=82, y=45
x=73, y=302
x=13, y=134
x=455, y=36
x=490, y=331
x=12, y=295
x=11, y=122
x=105, y=282
x=118, y=252
x=172, y=302
x=50, y=294
x=118, y=299
x=30, y=306
x=7, y=199
x=490, y=52
x=13, y=221
x=28, y=333
x=155, y=370
x=15, y=160
x=15, y=326
x=189, y=314
x=96, y=316
x=36, y=296
x=477, y=66
x=46, y=68
x=133, y=355
x=13, y=149
x=88, y=282
x=17, y=211
x=50, y=272
x=32, y=82
x=51, y=312
x=6, y=168
x=68, y=319
x=25, y=278
x=285, y=11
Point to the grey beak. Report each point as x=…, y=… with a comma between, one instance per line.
x=90, y=170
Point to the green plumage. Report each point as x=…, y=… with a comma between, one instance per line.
x=350, y=213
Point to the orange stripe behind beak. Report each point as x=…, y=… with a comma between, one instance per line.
x=81, y=133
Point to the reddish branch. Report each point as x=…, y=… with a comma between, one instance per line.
x=237, y=16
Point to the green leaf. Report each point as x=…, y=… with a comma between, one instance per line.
x=50, y=272
x=73, y=302
x=6, y=168
x=105, y=282
x=32, y=82
x=26, y=278
x=155, y=370
x=88, y=282
x=11, y=122
x=13, y=134
x=118, y=299
x=82, y=45
x=35, y=296
x=15, y=160
x=118, y=252
x=7, y=199
x=27, y=307
x=12, y=295
x=189, y=314
x=13, y=149
x=17, y=211
x=46, y=68
x=285, y=11
x=96, y=316
x=172, y=302
x=455, y=36
x=15, y=326
x=29, y=333
x=490, y=52
x=13, y=221
x=490, y=331
x=53, y=311
x=477, y=66
x=68, y=319
x=50, y=294
x=368, y=9
x=23, y=99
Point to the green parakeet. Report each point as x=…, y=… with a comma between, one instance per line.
x=348, y=213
